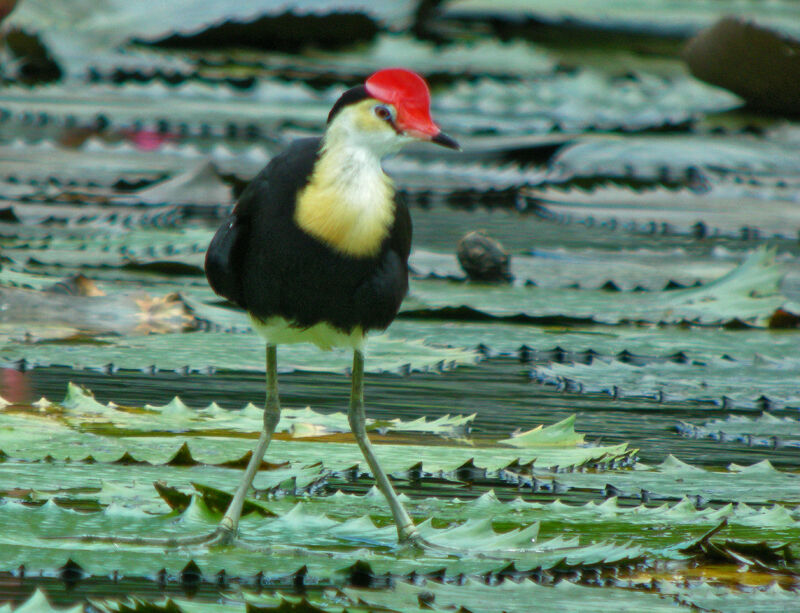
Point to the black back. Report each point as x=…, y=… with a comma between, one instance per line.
x=260, y=260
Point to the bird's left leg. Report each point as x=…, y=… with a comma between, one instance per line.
x=226, y=532
x=406, y=530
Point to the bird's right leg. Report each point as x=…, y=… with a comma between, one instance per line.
x=228, y=527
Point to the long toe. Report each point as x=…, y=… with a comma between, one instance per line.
x=410, y=538
x=223, y=536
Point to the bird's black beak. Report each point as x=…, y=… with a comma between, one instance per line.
x=445, y=141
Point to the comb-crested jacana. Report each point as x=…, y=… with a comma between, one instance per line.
x=316, y=249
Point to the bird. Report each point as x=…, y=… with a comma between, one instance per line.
x=316, y=251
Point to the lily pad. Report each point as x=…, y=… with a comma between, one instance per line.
x=561, y=433
x=82, y=411
x=684, y=160
x=677, y=480
x=771, y=597
x=747, y=295
x=572, y=102
x=481, y=57
x=589, y=268
x=507, y=596
x=747, y=384
x=765, y=430
x=667, y=19
x=202, y=351
x=724, y=210
x=104, y=26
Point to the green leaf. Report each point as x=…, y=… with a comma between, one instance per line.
x=244, y=351
x=677, y=480
x=712, y=596
x=671, y=18
x=747, y=295
x=722, y=210
x=39, y=603
x=83, y=411
x=635, y=343
x=764, y=430
x=588, y=269
x=648, y=158
x=559, y=434
x=716, y=382
x=509, y=596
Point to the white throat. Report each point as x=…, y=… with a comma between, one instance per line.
x=349, y=201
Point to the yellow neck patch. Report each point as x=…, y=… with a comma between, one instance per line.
x=349, y=201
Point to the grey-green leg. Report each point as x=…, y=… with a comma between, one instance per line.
x=227, y=529
x=229, y=525
x=406, y=530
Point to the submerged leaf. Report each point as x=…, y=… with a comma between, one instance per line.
x=762, y=554
x=217, y=500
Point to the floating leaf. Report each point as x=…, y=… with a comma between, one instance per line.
x=588, y=269
x=39, y=603
x=751, y=384
x=578, y=100
x=217, y=500
x=479, y=57
x=686, y=159
x=202, y=351
x=672, y=19
x=724, y=598
x=200, y=185
x=38, y=313
x=508, y=596
x=676, y=480
x=717, y=210
x=765, y=430
x=559, y=434
x=747, y=295
x=82, y=38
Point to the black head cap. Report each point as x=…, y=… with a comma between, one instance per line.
x=351, y=96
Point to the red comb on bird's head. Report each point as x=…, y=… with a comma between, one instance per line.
x=409, y=94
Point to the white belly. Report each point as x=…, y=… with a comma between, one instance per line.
x=279, y=331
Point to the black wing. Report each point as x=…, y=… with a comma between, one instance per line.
x=270, y=196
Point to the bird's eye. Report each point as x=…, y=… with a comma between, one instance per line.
x=383, y=112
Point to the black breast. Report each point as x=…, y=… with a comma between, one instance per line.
x=260, y=260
